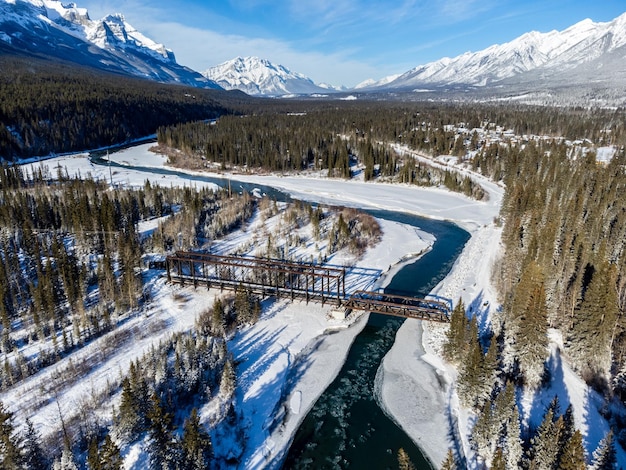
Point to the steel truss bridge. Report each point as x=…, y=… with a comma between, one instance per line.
x=295, y=280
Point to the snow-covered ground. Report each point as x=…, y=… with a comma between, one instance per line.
x=287, y=360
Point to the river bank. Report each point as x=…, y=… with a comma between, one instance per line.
x=414, y=383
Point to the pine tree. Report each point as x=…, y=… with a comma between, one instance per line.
x=450, y=462
x=404, y=461
x=218, y=323
x=484, y=433
x=131, y=420
x=504, y=403
x=10, y=452
x=229, y=379
x=527, y=323
x=514, y=449
x=242, y=305
x=34, y=457
x=455, y=345
x=499, y=460
x=590, y=340
x=545, y=444
x=471, y=370
x=67, y=461
x=110, y=456
x=161, y=447
x=604, y=457
x=93, y=455
x=573, y=453
x=196, y=444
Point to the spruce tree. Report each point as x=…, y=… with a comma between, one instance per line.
x=93, y=455
x=527, y=323
x=499, y=460
x=450, y=462
x=455, y=344
x=604, y=457
x=404, y=462
x=470, y=375
x=131, y=420
x=514, y=449
x=573, y=453
x=67, y=460
x=10, y=452
x=110, y=456
x=196, y=444
x=218, y=323
x=544, y=449
x=229, y=379
x=34, y=457
x=484, y=433
x=161, y=446
x=590, y=340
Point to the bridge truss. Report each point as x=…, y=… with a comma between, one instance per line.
x=400, y=306
x=267, y=276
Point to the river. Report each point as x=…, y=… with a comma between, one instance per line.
x=346, y=428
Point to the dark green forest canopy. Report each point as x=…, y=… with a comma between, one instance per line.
x=50, y=107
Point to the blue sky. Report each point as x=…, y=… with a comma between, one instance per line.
x=343, y=42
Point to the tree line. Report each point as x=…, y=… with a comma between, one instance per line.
x=563, y=270
x=318, y=140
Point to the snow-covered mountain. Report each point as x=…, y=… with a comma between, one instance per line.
x=256, y=76
x=49, y=28
x=371, y=83
x=556, y=57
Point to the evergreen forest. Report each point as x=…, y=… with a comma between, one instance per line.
x=53, y=108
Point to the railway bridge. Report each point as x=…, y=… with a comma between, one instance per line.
x=296, y=280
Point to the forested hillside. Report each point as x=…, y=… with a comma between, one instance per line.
x=71, y=272
x=75, y=276
x=48, y=107
x=562, y=278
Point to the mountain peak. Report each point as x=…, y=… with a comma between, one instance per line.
x=65, y=31
x=551, y=53
x=258, y=76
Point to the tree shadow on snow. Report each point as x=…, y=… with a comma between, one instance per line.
x=554, y=385
x=479, y=308
x=598, y=427
x=360, y=278
x=454, y=435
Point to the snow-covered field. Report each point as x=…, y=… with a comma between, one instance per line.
x=286, y=359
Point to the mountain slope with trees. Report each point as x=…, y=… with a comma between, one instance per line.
x=54, y=107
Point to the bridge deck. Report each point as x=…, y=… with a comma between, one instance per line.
x=400, y=306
